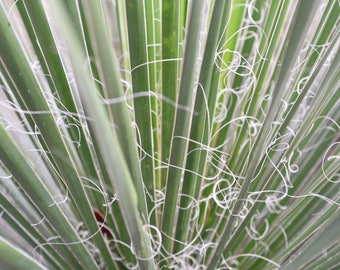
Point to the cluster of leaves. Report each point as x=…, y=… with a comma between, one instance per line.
x=169, y=134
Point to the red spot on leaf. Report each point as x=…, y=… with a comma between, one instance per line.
x=100, y=217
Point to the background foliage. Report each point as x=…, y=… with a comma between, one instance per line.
x=169, y=134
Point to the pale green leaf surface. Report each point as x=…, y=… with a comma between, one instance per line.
x=12, y=258
x=169, y=134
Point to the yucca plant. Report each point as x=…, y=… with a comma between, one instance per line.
x=163, y=134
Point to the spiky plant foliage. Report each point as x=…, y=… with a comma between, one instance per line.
x=148, y=134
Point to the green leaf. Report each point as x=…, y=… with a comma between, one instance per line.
x=13, y=258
